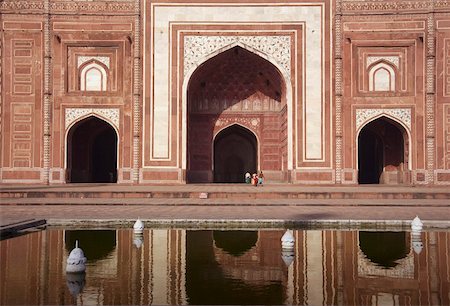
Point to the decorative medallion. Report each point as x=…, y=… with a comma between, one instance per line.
x=198, y=47
x=110, y=114
x=402, y=114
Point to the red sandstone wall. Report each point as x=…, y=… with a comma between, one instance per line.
x=34, y=99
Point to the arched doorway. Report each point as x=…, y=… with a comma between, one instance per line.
x=92, y=152
x=235, y=153
x=237, y=86
x=382, y=153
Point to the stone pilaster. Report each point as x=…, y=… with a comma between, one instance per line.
x=338, y=91
x=430, y=94
x=137, y=113
x=47, y=91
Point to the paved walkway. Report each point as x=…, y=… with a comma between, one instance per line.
x=106, y=211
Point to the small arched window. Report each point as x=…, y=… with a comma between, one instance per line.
x=381, y=77
x=94, y=77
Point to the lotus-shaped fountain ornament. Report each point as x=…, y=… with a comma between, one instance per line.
x=76, y=260
x=138, y=226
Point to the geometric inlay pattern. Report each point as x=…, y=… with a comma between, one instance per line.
x=197, y=47
x=73, y=114
x=402, y=114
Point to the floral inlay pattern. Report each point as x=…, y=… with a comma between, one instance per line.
x=198, y=47
x=402, y=114
x=73, y=114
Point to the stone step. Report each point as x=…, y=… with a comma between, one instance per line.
x=258, y=193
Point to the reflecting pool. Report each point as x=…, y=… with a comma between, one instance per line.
x=174, y=266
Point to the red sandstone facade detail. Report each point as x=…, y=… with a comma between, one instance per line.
x=313, y=99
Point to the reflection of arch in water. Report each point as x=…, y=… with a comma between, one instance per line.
x=385, y=251
x=211, y=270
x=96, y=244
x=235, y=243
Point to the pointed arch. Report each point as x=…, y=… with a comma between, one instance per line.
x=382, y=76
x=91, y=150
x=383, y=147
x=285, y=76
x=235, y=152
x=93, y=76
x=405, y=127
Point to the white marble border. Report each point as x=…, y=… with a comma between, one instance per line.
x=162, y=15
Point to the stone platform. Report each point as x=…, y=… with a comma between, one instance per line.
x=205, y=192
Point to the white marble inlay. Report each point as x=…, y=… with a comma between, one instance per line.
x=110, y=114
x=381, y=78
x=102, y=59
x=394, y=60
x=312, y=16
x=364, y=115
x=198, y=47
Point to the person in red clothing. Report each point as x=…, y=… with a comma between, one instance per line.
x=254, y=179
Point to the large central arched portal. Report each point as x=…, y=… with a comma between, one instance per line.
x=92, y=152
x=382, y=153
x=235, y=153
x=240, y=90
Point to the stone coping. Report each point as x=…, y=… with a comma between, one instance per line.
x=248, y=224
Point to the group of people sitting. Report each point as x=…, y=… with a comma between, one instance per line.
x=255, y=179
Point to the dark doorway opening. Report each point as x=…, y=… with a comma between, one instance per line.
x=92, y=152
x=384, y=248
x=235, y=153
x=381, y=152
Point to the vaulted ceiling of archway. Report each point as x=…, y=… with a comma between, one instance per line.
x=236, y=80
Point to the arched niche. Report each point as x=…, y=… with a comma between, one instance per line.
x=382, y=77
x=93, y=76
x=235, y=86
x=383, y=152
x=92, y=145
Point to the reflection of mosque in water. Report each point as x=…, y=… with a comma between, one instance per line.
x=181, y=267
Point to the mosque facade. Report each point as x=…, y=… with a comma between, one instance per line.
x=156, y=91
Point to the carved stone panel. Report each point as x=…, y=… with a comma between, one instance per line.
x=110, y=114
x=366, y=114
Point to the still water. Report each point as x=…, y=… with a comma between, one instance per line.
x=174, y=266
